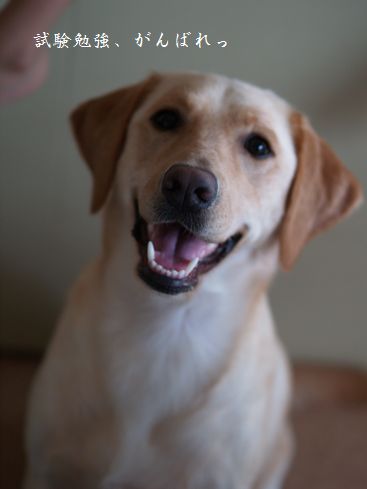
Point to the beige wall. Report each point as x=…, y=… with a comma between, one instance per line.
x=313, y=53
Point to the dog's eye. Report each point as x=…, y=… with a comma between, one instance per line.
x=166, y=120
x=258, y=147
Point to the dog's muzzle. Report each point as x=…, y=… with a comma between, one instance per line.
x=172, y=248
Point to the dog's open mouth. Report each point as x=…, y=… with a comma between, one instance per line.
x=172, y=257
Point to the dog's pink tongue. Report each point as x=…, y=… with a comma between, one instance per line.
x=175, y=246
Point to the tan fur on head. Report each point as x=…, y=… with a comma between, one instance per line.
x=323, y=190
x=322, y=193
x=100, y=128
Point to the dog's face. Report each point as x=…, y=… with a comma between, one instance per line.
x=208, y=164
x=208, y=161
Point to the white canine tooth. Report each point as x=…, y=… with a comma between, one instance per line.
x=190, y=267
x=181, y=274
x=150, y=251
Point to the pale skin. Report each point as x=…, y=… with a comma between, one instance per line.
x=23, y=66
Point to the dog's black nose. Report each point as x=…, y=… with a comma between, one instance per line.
x=189, y=188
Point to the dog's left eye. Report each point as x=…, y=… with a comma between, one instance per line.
x=258, y=147
x=166, y=119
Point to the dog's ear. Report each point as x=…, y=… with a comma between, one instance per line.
x=100, y=128
x=323, y=191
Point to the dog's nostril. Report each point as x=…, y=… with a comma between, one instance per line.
x=204, y=194
x=171, y=184
x=189, y=188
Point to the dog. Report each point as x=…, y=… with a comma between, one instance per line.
x=165, y=370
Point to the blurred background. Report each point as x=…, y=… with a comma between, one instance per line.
x=312, y=53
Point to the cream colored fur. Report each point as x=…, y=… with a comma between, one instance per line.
x=143, y=390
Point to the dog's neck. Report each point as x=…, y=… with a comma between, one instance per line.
x=184, y=343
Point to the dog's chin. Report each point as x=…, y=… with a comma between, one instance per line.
x=172, y=257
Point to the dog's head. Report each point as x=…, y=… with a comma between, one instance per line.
x=209, y=164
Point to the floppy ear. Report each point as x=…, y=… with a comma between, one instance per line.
x=100, y=128
x=323, y=191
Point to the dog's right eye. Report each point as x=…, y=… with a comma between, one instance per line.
x=258, y=147
x=166, y=119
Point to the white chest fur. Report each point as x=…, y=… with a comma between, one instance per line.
x=166, y=391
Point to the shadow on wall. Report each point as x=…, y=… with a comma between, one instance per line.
x=30, y=308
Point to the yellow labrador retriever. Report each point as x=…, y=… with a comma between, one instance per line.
x=165, y=371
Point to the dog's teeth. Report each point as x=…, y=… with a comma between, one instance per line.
x=164, y=271
x=150, y=251
x=190, y=267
